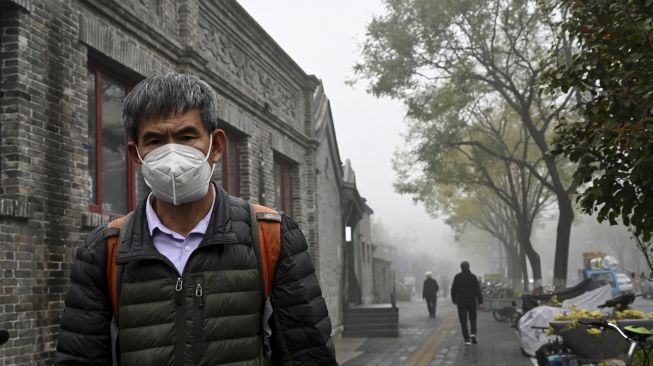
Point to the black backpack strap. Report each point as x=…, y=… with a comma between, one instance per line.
x=256, y=243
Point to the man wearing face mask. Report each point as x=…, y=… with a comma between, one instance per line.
x=190, y=288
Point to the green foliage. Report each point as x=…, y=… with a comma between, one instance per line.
x=612, y=70
x=403, y=293
x=495, y=277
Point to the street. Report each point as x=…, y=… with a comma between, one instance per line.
x=435, y=342
x=645, y=305
x=424, y=341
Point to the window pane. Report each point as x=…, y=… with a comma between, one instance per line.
x=114, y=154
x=226, y=169
x=287, y=189
x=232, y=167
x=277, y=186
x=91, y=144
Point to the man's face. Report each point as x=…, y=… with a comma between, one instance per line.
x=185, y=129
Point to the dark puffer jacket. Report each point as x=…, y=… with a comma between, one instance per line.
x=210, y=314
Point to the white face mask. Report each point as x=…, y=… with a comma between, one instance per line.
x=177, y=173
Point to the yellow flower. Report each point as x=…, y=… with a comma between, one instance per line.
x=630, y=314
x=594, y=331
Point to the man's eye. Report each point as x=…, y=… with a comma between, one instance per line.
x=152, y=142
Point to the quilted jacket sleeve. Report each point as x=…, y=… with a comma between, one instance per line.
x=84, y=338
x=301, y=324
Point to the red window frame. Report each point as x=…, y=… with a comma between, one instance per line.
x=285, y=183
x=96, y=207
x=232, y=142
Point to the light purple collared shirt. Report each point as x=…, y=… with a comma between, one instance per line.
x=171, y=244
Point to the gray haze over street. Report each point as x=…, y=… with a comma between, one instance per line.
x=324, y=38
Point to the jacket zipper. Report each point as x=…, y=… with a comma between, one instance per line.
x=179, y=300
x=199, y=322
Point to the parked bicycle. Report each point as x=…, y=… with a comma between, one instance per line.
x=639, y=339
x=508, y=313
x=570, y=350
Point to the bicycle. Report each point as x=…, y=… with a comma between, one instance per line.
x=507, y=314
x=632, y=341
x=638, y=338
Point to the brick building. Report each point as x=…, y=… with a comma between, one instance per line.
x=65, y=66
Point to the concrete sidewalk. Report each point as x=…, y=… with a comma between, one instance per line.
x=497, y=346
x=437, y=342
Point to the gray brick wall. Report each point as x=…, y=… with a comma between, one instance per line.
x=330, y=230
x=41, y=171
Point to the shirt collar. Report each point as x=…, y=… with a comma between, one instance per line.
x=153, y=221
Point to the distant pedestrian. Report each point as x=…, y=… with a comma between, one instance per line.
x=466, y=294
x=430, y=293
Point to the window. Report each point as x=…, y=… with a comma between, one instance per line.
x=283, y=188
x=111, y=178
x=227, y=169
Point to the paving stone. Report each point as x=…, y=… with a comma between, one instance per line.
x=497, y=346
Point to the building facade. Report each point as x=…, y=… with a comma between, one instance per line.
x=383, y=264
x=65, y=66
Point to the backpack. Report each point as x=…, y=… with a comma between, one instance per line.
x=265, y=229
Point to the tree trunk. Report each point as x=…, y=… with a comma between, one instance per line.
x=524, y=238
x=524, y=269
x=565, y=220
x=514, y=265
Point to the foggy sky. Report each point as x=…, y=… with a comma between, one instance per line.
x=323, y=38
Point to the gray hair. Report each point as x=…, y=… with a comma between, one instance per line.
x=169, y=94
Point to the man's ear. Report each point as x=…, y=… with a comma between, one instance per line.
x=133, y=153
x=219, y=145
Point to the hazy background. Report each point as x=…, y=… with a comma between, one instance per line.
x=324, y=37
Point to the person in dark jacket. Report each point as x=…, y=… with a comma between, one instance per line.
x=466, y=294
x=191, y=290
x=430, y=293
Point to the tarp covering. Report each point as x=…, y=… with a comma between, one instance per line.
x=590, y=299
x=531, y=334
x=531, y=301
x=531, y=328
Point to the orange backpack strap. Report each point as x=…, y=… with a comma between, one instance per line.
x=268, y=236
x=114, y=235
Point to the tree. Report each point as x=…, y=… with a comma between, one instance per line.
x=458, y=174
x=489, y=214
x=451, y=54
x=611, y=69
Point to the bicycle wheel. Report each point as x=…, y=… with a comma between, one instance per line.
x=498, y=316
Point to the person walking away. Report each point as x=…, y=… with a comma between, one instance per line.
x=466, y=294
x=430, y=293
x=188, y=287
